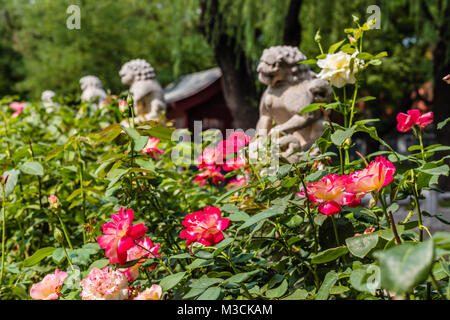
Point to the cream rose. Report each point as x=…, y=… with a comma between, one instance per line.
x=336, y=68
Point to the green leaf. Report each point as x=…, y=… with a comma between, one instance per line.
x=366, y=98
x=442, y=123
x=393, y=207
x=109, y=133
x=319, y=219
x=13, y=177
x=33, y=168
x=405, y=266
x=309, y=61
x=212, y=293
x=238, y=278
x=74, y=194
x=268, y=213
x=20, y=292
x=366, y=279
x=198, y=263
x=193, y=293
x=335, y=46
x=312, y=107
x=229, y=193
x=132, y=133
x=329, y=255
x=171, y=281
x=315, y=176
x=375, y=62
x=388, y=234
x=339, y=289
x=239, y=216
x=372, y=131
x=329, y=281
x=381, y=55
x=440, y=170
x=364, y=56
x=204, y=282
x=360, y=246
x=339, y=136
x=295, y=221
x=162, y=133
x=278, y=291
x=299, y=294
x=180, y=256
x=38, y=256
x=347, y=48
x=58, y=255
x=100, y=264
x=140, y=143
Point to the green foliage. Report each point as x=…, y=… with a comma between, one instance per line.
x=277, y=245
x=405, y=266
x=111, y=33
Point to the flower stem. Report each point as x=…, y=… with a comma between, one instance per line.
x=82, y=189
x=390, y=218
x=39, y=177
x=308, y=210
x=338, y=243
x=419, y=134
x=3, y=231
x=419, y=212
x=67, y=256
x=65, y=231
x=341, y=161
x=352, y=110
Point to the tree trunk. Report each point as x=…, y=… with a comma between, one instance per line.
x=238, y=83
x=237, y=76
x=441, y=102
x=292, y=34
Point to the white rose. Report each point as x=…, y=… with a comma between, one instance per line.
x=336, y=68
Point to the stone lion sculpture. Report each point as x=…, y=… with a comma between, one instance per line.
x=290, y=87
x=147, y=93
x=92, y=89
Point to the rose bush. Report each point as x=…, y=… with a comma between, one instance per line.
x=111, y=206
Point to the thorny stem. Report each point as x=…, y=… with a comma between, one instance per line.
x=327, y=117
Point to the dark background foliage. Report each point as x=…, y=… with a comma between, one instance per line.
x=177, y=37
